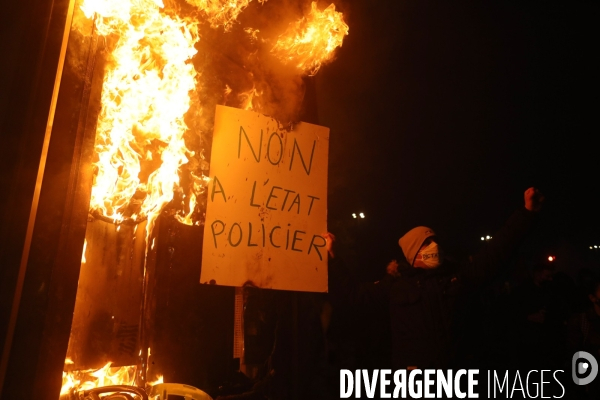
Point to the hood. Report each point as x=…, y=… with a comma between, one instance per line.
x=411, y=242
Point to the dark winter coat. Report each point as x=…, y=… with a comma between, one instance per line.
x=429, y=308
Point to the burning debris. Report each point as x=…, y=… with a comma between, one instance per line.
x=168, y=64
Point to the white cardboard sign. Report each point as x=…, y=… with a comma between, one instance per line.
x=267, y=204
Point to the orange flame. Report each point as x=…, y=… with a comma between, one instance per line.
x=247, y=99
x=187, y=219
x=226, y=93
x=159, y=379
x=310, y=42
x=146, y=93
x=252, y=33
x=90, y=379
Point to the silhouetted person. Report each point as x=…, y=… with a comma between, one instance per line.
x=540, y=309
x=428, y=294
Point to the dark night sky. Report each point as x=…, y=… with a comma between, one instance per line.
x=443, y=113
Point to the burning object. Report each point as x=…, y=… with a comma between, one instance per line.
x=145, y=95
x=148, y=88
x=158, y=96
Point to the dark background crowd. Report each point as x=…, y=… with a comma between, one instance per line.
x=542, y=307
x=534, y=314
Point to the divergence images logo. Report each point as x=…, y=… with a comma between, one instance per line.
x=583, y=364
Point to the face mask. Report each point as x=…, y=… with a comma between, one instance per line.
x=430, y=255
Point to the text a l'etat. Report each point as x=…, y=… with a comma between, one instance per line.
x=278, y=199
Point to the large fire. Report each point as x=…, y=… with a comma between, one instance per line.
x=146, y=93
x=140, y=143
x=150, y=85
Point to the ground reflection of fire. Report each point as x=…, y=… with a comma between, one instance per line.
x=158, y=97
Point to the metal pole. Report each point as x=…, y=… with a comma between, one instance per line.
x=34, y=204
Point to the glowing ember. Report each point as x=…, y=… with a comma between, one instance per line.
x=187, y=219
x=105, y=376
x=311, y=41
x=221, y=12
x=253, y=33
x=145, y=95
x=247, y=99
x=226, y=93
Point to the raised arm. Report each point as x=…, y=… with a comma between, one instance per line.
x=491, y=258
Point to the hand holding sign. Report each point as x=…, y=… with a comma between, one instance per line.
x=330, y=241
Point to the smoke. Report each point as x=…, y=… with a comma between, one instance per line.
x=237, y=69
x=236, y=55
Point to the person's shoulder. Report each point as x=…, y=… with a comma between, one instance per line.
x=452, y=267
